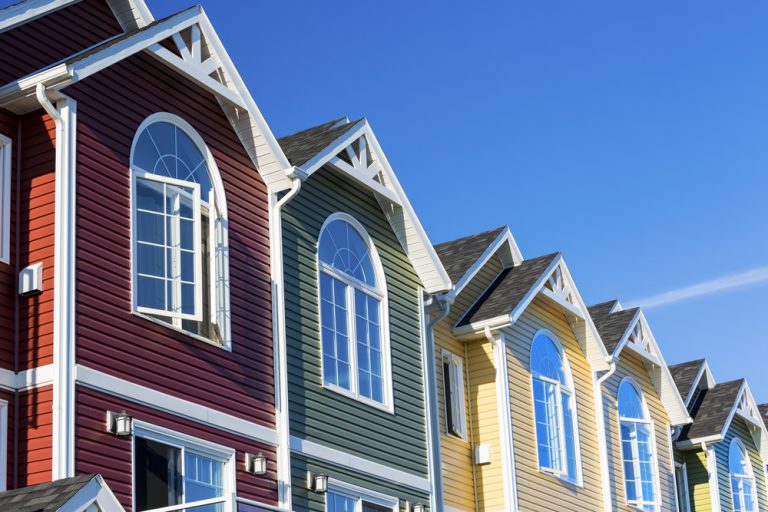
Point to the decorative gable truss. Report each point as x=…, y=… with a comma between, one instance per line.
x=640, y=340
x=357, y=154
x=559, y=289
x=746, y=408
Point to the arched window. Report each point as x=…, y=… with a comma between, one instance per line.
x=554, y=406
x=637, y=448
x=742, y=478
x=352, y=312
x=180, y=261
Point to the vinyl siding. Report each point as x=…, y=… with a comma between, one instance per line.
x=51, y=38
x=97, y=451
x=319, y=414
x=457, y=454
x=630, y=365
x=110, y=338
x=739, y=429
x=538, y=491
x=307, y=501
x=35, y=417
x=698, y=481
x=9, y=126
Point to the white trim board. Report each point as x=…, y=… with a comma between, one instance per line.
x=353, y=462
x=121, y=388
x=27, y=379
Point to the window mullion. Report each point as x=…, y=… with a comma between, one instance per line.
x=635, y=445
x=352, y=340
x=175, y=245
x=561, y=430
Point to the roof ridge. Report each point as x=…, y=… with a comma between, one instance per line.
x=481, y=233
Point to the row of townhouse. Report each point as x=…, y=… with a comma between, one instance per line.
x=196, y=315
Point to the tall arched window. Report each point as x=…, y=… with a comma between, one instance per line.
x=554, y=406
x=637, y=449
x=352, y=312
x=742, y=478
x=180, y=261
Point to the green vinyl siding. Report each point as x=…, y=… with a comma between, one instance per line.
x=738, y=429
x=322, y=415
x=304, y=499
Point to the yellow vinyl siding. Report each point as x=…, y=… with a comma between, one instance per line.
x=698, y=481
x=457, y=454
x=485, y=425
x=630, y=365
x=537, y=491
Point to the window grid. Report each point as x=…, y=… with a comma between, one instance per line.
x=637, y=448
x=453, y=391
x=743, y=489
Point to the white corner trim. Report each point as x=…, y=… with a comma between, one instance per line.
x=353, y=462
x=3, y=444
x=27, y=379
x=118, y=387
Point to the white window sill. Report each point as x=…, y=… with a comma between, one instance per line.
x=367, y=401
x=227, y=348
x=562, y=478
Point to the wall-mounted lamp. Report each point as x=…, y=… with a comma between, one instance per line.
x=119, y=423
x=256, y=464
x=317, y=483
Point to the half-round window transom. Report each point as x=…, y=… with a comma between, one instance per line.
x=630, y=402
x=342, y=248
x=546, y=359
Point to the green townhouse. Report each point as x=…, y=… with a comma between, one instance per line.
x=357, y=265
x=721, y=456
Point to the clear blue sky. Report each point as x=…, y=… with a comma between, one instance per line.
x=631, y=136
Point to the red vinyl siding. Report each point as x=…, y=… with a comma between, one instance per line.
x=100, y=452
x=35, y=436
x=8, y=127
x=111, y=105
x=51, y=38
x=36, y=243
x=10, y=398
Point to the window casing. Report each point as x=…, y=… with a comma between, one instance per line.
x=681, y=487
x=453, y=394
x=637, y=448
x=554, y=409
x=353, y=315
x=344, y=497
x=173, y=471
x=5, y=199
x=180, y=257
x=743, y=489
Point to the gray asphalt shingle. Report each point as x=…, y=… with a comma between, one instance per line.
x=301, y=147
x=611, y=326
x=47, y=497
x=459, y=255
x=684, y=374
x=711, y=413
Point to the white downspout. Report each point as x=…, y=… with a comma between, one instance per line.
x=601, y=437
x=499, y=345
x=434, y=456
x=65, y=118
x=280, y=344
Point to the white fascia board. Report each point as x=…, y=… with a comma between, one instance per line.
x=334, y=148
x=704, y=372
x=96, y=492
x=696, y=443
x=25, y=12
x=352, y=462
x=505, y=237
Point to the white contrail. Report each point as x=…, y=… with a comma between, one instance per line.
x=757, y=275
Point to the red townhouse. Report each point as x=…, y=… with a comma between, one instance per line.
x=136, y=337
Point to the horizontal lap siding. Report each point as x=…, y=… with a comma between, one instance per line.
x=739, y=430
x=111, y=105
x=325, y=416
x=537, y=491
x=36, y=240
x=35, y=446
x=10, y=398
x=307, y=501
x=457, y=455
x=100, y=452
x=9, y=126
x=630, y=365
x=58, y=35
x=698, y=481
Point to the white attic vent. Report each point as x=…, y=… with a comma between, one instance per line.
x=482, y=454
x=31, y=280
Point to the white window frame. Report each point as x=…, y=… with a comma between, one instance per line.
x=454, y=391
x=361, y=494
x=3, y=445
x=380, y=294
x=570, y=390
x=639, y=504
x=218, y=230
x=751, y=476
x=681, y=494
x=185, y=442
x=5, y=199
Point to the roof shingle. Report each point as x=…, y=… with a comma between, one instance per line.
x=684, y=374
x=301, y=147
x=711, y=412
x=611, y=326
x=46, y=497
x=508, y=290
x=459, y=255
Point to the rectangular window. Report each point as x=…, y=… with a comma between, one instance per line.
x=681, y=487
x=453, y=391
x=168, y=248
x=343, y=497
x=5, y=199
x=175, y=472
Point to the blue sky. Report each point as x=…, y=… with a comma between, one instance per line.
x=631, y=136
